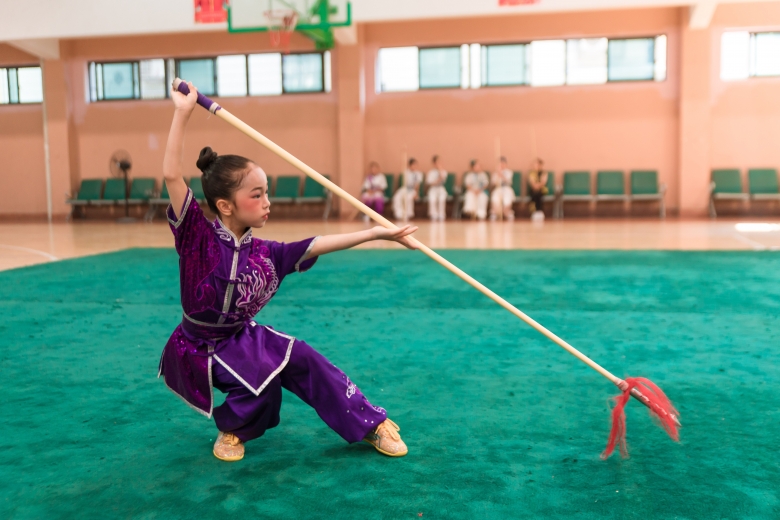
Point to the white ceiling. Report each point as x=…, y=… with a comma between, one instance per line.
x=46, y=19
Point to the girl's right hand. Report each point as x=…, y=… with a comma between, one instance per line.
x=185, y=103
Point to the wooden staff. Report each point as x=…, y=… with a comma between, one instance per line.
x=220, y=112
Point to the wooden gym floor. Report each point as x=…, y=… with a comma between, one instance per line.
x=25, y=244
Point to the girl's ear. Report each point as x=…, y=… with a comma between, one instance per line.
x=224, y=207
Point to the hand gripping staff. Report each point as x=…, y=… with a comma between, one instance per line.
x=642, y=389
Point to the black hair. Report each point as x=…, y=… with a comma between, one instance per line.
x=472, y=163
x=222, y=175
x=412, y=161
x=435, y=159
x=502, y=159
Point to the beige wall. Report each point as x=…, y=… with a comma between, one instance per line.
x=682, y=127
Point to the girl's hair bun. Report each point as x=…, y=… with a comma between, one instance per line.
x=206, y=159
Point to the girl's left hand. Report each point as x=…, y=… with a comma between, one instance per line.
x=400, y=235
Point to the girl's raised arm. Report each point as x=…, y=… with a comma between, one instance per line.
x=174, y=150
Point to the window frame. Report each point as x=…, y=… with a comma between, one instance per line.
x=419, y=66
x=136, y=81
x=177, y=61
x=8, y=84
x=651, y=79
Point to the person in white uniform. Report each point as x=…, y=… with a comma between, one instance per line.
x=476, y=182
x=437, y=193
x=503, y=196
x=404, y=198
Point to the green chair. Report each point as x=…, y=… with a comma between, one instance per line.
x=610, y=187
x=576, y=188
x=196, y=185
x=726, y=185
x=89, y=191
x=314, y=192
x=162, y=199
x=141, y=190
x=287, y=189
x=762, y=184
x=517, y=186
x=645, y=187
x=390, y=178
x=114, y=193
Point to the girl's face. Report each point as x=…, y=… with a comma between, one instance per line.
x=476, y=167
x=250, y=203
x=375, y=169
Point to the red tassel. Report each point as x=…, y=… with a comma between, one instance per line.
x=659, y=405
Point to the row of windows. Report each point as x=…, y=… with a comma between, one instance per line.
x=21, y=85
x=584, y=61
x=744, y=55
x=226, y=76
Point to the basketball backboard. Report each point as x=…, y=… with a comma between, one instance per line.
x=257, y=15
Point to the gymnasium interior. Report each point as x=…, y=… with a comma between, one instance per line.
x=657, y=121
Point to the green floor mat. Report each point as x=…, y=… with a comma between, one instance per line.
x=500, y=422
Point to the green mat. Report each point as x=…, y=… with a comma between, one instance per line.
x=500, y=422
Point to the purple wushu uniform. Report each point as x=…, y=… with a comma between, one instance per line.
x=225, y=281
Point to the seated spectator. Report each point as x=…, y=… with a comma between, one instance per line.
x=503, y=196
x=475, y=182
x=537, y=189
x=404, y=198
x=374, y=188
x=437, y=194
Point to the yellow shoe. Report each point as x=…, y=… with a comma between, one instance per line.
x=228, y=447
x=386, y=440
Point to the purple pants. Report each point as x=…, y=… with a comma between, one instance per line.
x=376, y=203
x=310, y=376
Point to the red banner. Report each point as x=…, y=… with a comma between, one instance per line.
x=210, y=11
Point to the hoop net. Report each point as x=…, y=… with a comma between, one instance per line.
x=281, y=25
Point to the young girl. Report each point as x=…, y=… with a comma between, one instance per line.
x=374, y=189
x=437, y=193
x=226, y=277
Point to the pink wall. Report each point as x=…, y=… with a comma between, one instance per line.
x=21, y=148
x=682, y=126
x=617, y=126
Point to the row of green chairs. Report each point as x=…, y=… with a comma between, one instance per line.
x=286, y=190
x=111, y=192
x=726, y=184
x=611, y=186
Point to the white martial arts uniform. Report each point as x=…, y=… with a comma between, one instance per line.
x=403, y=200
x=476, y=203
x=503, y=196
x=437, y=194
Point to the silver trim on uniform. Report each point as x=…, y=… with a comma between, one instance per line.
x=203, y=323
x=187, y=202
x=273, y=374
x=303, y=258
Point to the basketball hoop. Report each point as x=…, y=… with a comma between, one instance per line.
x=281, y=25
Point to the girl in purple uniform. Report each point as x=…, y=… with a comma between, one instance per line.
x=226, y=277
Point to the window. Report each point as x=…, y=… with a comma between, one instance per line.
x=548, y=63
x=397, y=69
x=201, y=73
x=231, y=76
x=504, y=65
x=586, y=61
x=265, y=74
x=145, y=79
x=440, y=68
x=744, y=55
x=21, y=85
x=767, y=54
x=302, y=73
x=631, y=60
x=153, y=85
